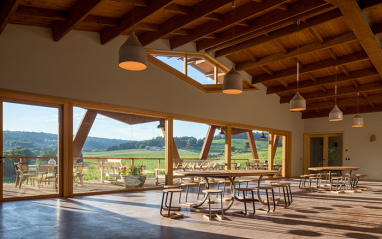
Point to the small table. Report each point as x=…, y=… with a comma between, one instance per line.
x=231, y=175
x=333, y=168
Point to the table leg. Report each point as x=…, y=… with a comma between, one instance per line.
x=258, y=191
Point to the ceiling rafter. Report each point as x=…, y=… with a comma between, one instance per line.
x=7, y=10
x=360, y=26
x=330, y=42
x=321, y=65
x=346, y=102
x=327, y=80
x=349, y=111
x=241, y=13
x=140, y=13
x=341, y=91
x=201, y=9
x=275, y=19
x=76, y=14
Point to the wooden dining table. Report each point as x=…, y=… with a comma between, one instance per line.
x=227, y=174
x=330, y=169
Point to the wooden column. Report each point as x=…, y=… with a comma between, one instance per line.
x=1, y=149
x=66, y=149
x=83, y=131
x=185, y=62
x=270, y=150
x=284, y=157
x=227, y=148
x=207, y=142
x=275, y=142
x=252, y=145
x=175, y=149
x=169, y=157
x=216, y=76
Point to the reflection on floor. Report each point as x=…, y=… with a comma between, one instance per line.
x=136, y=215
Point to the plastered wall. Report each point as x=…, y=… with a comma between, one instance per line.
x=79, y=67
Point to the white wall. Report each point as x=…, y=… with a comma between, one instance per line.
x=78, y=67
x=362, y=152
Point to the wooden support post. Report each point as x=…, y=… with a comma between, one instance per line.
x=207, y=142
x=284, y=156
x=1, y=148
x=185, y=63
x=275, y=141
x=66, y=150
x=158, y=165
x=252, y=145
x=227, y=148
x=169, y=157
x=270, y=150
x=83, y=131
x=176, y=153
x=132, y=162
x=216, y=77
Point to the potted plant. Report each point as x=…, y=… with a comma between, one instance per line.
x=132, y=176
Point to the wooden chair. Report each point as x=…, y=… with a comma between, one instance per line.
x=22, y=171
x=111, y=169
x=77, y=173
x=46, y=174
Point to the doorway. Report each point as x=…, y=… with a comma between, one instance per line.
x=321, y=150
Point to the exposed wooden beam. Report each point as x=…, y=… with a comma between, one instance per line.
x=140, y=13
x=215, y=17
x=346, y=102
x=201, y=9
x=241, y=13
x=325, y=64
x=311, y=77
x=345, y=70
x=341, y=91
x=8, y=7
x=130, y=119
x=283, y=7
x=252, y=145
x=317, y=35
x=331, y=53
x=327, y=80
x=41, y=12
x=360, y=26
x=179, y=9
x=349, y=111
x=364, y=95
x=83, y=131
x=330, y=42
x=207, y=142
x=270, y=21
x=280, y=46
x=267, y=70
x=323, y=89
x=372, y=105
x=76, y=14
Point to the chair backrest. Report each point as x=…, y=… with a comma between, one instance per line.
x=233, y=166
x=79, y=167
x=112, y=166
x=17, y=167
x=24, y=167
x=51, y=168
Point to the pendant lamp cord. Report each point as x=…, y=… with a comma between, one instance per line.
x=233, y=31
x=298, y=52
x=132, y=14
x=357, y=101
x=335, y=88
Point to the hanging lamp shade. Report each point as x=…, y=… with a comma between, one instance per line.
x=336, y=114
x=132, y=55
x=160, y=125
x=232, y=83
x=221, y=131
x=263, y=136
x=357, y=121
x=297, y=103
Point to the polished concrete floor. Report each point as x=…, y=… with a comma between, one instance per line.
x=136, y=215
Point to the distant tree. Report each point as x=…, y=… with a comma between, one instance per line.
x=191, y=141
x=233, y=148
x=200, y=142
x=246, y=146
x=142, y=146
x=48, y=153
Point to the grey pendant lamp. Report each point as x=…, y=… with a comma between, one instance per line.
x=263, y=136
x=221, y=131
x=233, y=83
x=357, y=120
x=297, y=103
x=132, y=55
x=161, y=124
x=336, y=114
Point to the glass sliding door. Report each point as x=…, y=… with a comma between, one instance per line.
x=321, y=150
x=31, y=164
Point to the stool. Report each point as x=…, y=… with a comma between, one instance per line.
x=303, y=179
x=338, y=183
x=187, y=185
x=244, y=181
x=172, y=186
x=246, y=190
x=266, y=188
x=200, y=184
x=358, y=177
x=317, y=177
x=208, y=192
x=284, y=186
x=170, y=214
x=224, y=182
x=332, y=174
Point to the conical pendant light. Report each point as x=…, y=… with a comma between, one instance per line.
x=232, y=83
x=297, y=103
x=336, y=114
x=357, y=119
x=263, y=136
x=221, y=131
x=161, y=124
x=132, y=55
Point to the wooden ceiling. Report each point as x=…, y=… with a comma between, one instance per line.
x=343, y=33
